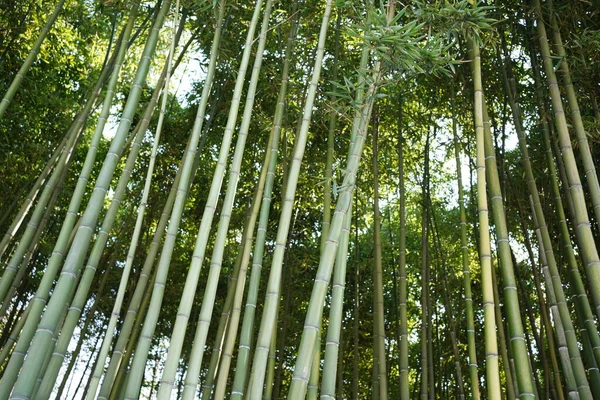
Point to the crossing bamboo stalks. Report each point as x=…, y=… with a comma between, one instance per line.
x=90, y=318
x=31, y=196
x=219, y=245
x=115, y=314
x=584, y=311
x=580, y=133
x=267, y=173
x=581, y=223
x=243, y=357
x=523, y=372
x=224, y=321
x=142, y=348
x=568, y=369
x=27, y=265
x=549, y=262
x=66, y=233
x=187, y=297
x=133, y=309
x=267, y=324
x=312, y=321
x=74, y=259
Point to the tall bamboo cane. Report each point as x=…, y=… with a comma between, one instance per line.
x=31, y=57
x=402, y=276
x=423, y=336
x=491, y=345
x=471, y=347
x=378, y=306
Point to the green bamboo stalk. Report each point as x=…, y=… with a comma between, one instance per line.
x=183, y=314
x=273, y=287
x=511, y=386
x=581, y=223
x=491, y=344
x=523, y=374
x=471, y=347
x=312, y=391
x=243, y=357
x=378, y=306
x=31, y=57
x=271, y=366
x=424, y=356
x=330, y=140
x=402, y=276
x=74, y=260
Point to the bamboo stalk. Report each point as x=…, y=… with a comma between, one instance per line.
x=491, y=345
x=470, y=328
x=31, y=57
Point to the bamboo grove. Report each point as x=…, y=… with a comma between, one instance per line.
x=299, y=199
